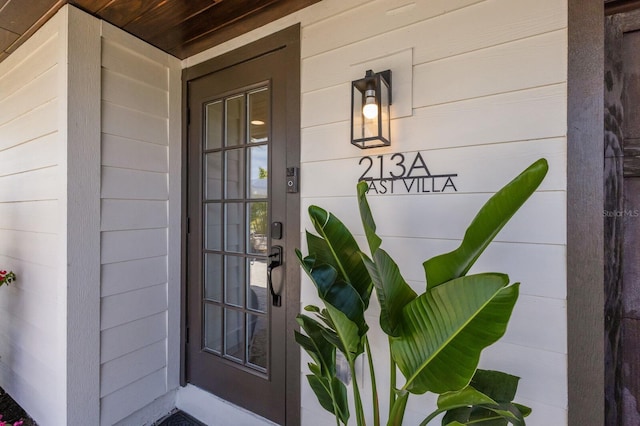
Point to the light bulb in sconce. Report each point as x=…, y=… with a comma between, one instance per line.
x=370, y=109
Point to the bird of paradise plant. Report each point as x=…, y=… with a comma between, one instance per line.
x=435, y=338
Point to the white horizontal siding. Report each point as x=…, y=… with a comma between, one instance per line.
x=131, y=398
x=136, y=126
x=32, y=225
x=132, y=336
x=488, y=98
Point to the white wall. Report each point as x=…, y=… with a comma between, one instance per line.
x=32, y=223
x=87, y=210
x=140, y=289
x=479, y=90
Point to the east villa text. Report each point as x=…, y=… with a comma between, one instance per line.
x=395, y=175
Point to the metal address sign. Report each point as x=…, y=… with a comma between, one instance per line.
x=401, y=174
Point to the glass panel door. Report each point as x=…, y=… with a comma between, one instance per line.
x=235, y=205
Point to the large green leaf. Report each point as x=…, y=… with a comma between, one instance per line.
x=322, y=352
x=368, y=223
x=344, y=250
x=461, y=399
x=445, y=329
x=332, y=395
x=392, y=290
x=349, y=339
x=500, y=386
x=470, y=407
x=336, y=292
x=485, y=226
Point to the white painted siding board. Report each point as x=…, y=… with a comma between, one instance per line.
x=327, y=105
x=29, y=246
x=532, y=114
x=118, y=58
x=348, y=27
x=320, y=73
x=120, y=372
x=446, y=216
x=540, y=323
x=134, y=184
x=441, y=125
x=28, y=216
x=37, y=398
x=134, y=305
x=544, y=414
x=37, y=154
x=32, y=276
x=32, y=313
x=118, y=215
x=133, y=154
x=136, y=47
x=485, y=24
x=26, y=363
x=496, y=163
x=120, y=121
x=524, y=115
x=39, y=121
x=126, y=338
x=543, y=373
x=532, y=62
x=41, y=184
x=119, y=246
x=118, y=405
x=36, y=92
x=133, y=94
x=539, y=267
x=130, y=275
x=43, y=53
x=327, y=142
x=138, y=128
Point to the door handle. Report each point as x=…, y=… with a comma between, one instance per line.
x=275, y=260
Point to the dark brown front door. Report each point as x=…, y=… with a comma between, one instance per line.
x=242, y=276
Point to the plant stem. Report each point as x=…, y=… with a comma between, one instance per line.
x=392, y=378
x=374, y=388
x=356, y=394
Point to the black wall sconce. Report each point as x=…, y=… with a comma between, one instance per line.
x=370, y=112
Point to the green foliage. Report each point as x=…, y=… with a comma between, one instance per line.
x=435, y=338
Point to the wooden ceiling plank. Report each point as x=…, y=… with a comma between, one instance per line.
x=7, y=38
x=122, y=12
x=221, y=15
x=227, y=32
x=35, y=26
x=90, y=6
x=166, y=16
x=18, y=15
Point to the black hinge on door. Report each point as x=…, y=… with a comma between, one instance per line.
x=188, y=225
x=186, y=335
x=188, y=116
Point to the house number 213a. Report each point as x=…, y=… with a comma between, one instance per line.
x=403, y=173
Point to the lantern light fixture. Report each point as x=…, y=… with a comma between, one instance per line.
x=370, y=110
